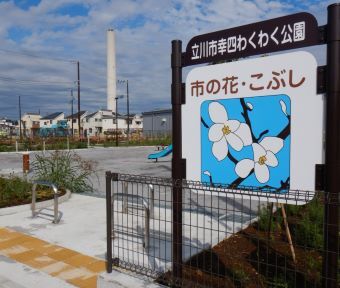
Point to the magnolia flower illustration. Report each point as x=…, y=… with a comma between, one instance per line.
x=226, y=132
x=264, y=156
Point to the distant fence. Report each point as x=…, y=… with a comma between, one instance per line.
x=157, y=133
x=228, y=240
x=42, y=144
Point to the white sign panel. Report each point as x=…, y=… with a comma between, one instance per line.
x=256, y=122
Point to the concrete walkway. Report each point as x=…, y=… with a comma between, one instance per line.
x=68, y=265
x=64, y=255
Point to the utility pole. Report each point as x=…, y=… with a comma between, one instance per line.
x=116, y=121
x=78, y=100
x=72, y=110
x=127, y=105
x=116, y=98
x=128, y=109
x=20, y=118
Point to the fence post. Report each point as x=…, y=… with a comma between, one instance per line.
x=332, y=189
x=108, y=177
x=125, y=198
x=146, y=228
x=151, y=200
x=177, y=173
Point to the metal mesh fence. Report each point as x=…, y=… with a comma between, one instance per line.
x=229, y=239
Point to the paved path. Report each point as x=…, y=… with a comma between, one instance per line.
x=68, y=265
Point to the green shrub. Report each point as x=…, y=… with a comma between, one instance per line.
x=263, y=220
x=13, y=188
x=292, y=210
x=16, y=191
x=278, y=282
x=309, y=231
x=66, y=169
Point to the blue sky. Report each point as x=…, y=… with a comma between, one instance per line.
x=40, y=40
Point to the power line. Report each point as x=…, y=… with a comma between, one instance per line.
x=30, y=82
x=35, y=56
x=89, y=70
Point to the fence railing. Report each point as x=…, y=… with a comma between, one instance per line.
x=229, y=239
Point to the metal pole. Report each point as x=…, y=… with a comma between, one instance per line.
x=34, y=196
x=128, y=109
x=108, y=223
x=177, y=173
x=55, y=221
x=78, y=99
x=72, y=110
x=116, y=121
x=20, y=131
x=125, y=198
x=152, y=200
x=331, y=221
x=146, y=243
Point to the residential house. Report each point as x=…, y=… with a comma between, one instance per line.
x=30, y=124
x=72, y=121
x=136, y=122
x=7, y=127
x=103, y=122
x=51, y=119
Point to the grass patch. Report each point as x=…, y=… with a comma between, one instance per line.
x=66, y=169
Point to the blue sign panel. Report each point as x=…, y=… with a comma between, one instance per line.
x=246, y=141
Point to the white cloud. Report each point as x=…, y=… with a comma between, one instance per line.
x=143, y=50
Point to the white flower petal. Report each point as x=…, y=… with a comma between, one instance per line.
x=233, y=124
x=273, y=144
x=234, y=141
x=271, y=159
x=244, y=167
x=215, y=132
x=220, y=149
x=261, y=173
x=250, y=106
x=217, y=113
x=207, y=173
x=244, y=133
x=283, y=107
x=258, y=151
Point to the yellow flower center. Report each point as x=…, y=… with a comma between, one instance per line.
x=226, y=130
x=262, y=160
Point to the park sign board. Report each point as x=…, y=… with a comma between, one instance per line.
x=254, y=123
x=254, y=128
x=283, y=33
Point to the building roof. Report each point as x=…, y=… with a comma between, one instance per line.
x=160, y=111
x=31, y=113
x=75, y=115
x=91, y=115
x=52, y=116
x=113, y=116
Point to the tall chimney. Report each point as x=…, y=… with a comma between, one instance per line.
x=111, y=70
